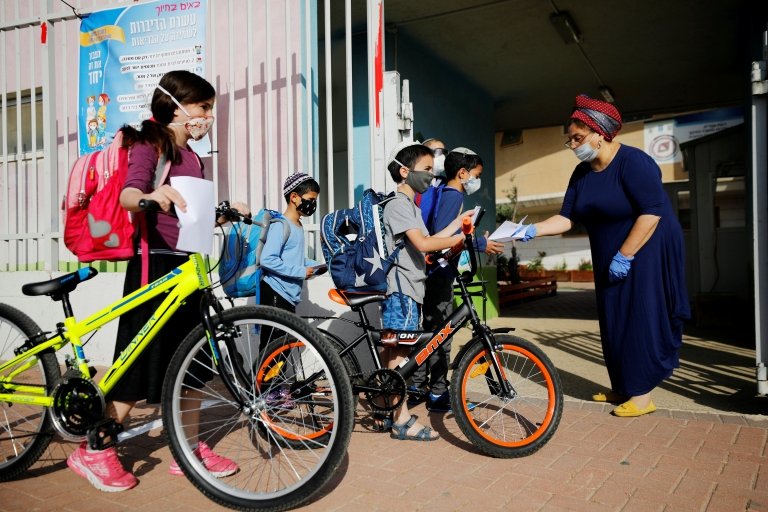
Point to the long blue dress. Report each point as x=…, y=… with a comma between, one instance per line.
x=641, y=318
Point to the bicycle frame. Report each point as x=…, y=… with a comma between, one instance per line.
x=179, y=284
x=425, y=343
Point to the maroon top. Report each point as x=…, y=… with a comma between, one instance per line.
x=142, y=162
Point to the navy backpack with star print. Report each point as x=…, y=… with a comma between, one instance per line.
x=353, y=245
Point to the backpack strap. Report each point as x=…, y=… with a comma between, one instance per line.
x=286, y=228
x=162, y=170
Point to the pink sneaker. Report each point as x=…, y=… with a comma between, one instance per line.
x=217, y=465
x=102, y=469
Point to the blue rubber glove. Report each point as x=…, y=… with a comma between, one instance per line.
x=619, y=267
x=529, y=233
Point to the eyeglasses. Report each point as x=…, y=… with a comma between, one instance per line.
x=577, y=140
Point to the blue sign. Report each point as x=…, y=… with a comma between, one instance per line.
x=123, y=54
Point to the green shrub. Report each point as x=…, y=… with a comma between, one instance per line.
x=536, y=264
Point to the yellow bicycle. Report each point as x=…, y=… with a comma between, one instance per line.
x=219, y=388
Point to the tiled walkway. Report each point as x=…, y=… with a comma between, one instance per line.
x=692, y=454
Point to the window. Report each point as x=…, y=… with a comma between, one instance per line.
x=9, y=116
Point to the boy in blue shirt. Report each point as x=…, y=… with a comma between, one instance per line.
x=284, y=266
x=463, y=168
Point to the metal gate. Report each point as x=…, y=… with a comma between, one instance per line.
x=273, y=111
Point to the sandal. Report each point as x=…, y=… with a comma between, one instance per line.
x=400, y=431
x=382, y=422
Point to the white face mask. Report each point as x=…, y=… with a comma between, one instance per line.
x=438, y=168
x=471, y=185
x=196, y=127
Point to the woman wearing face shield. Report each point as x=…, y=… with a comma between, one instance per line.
x=438, y=153
x=638, y=255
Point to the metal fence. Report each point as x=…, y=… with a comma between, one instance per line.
x=263, y=60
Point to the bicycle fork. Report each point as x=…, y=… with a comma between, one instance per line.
x=221, y=344
x=501, y=385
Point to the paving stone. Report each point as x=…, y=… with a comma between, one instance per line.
x=704, y=449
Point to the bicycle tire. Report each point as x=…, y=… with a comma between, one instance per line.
x=305, y=423
x=351, y=364
x=32, y=422
x=302, y=423
x=271, y=475
x=512, y=426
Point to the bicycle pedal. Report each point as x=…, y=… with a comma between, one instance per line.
x=104, y=434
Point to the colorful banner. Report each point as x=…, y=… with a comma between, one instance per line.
x=123, y=54
x=663, y=138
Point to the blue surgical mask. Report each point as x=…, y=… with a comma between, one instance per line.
x=585, y=152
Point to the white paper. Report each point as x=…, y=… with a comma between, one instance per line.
x=474, y=214
x=507, y=232
x=196, y=225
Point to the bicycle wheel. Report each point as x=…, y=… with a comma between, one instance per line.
x=351, y=364
x=25, y=430
x=256, y=421
x=513, y=424
x=298, y=414
x=275, y=376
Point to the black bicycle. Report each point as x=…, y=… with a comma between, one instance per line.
x=506, y=393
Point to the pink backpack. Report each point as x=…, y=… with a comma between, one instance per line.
x=96, y=226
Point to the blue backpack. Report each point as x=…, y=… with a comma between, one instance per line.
x=353, y=245
x=240, y=266
x=428, y=203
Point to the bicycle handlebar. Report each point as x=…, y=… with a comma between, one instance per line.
x=467, y=228
x=222, y=209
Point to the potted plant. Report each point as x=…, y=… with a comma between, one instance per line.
x=561, y=272
x=535, y=268
x=584, y=273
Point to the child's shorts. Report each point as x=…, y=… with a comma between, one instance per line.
x=400, y=312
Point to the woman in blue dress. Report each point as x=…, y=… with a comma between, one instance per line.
x=637, y=255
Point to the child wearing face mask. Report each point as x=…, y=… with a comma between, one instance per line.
x=182, y=108
x=463, y=168
x=410, y=165
x=284, y=265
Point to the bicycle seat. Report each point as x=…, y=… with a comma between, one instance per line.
x=354, y=299
x=60, y=285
